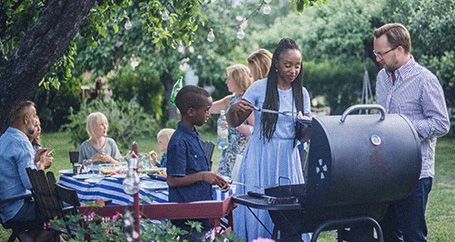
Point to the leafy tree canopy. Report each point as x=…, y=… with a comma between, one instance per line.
x=35, y=36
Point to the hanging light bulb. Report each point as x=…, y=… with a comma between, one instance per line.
x=244, y=24
x=266, y=9
x=211, y=36
x=134, y=62
x=128, y=25
x=240, y=33
x=181, y=49
x=164, y=16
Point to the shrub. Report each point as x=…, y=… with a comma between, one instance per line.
x=54, y=105
x=96, y=228
x=143, y=84
x=339, y=83
x=127, y=122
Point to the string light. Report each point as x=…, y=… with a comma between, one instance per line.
x=181, y=49
x=211, y=36
x=240, y=33
x=164, y=16
x=266, y=9
x=128, y=25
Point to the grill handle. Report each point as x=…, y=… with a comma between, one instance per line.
x=362, y=106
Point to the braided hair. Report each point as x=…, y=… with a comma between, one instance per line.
x=272, y=101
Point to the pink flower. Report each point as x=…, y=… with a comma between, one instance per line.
x=116, y=217
x=263, y=240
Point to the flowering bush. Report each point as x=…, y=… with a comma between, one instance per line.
x=120, y=228
x=96, y=228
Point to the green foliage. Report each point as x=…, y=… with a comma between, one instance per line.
x=340, y=83
x=104, y=19
x=160, y=232
x=444, y=68
x=127, y=122
x=97, y=228
x=431, y=24
x=20, y=15
x=300, y=5
x=142, y=84
x=341, y=32
x=94, y=228
x=54, y=105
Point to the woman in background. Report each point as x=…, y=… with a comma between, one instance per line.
x=35, y=139
x=98, y=147
x=259, y=63
x=238, y=80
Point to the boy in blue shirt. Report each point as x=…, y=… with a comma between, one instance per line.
x=188, y=170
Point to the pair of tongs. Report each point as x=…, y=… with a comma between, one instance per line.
x=299, y=115
x=264, y=110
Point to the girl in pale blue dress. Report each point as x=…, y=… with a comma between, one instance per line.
x=271, y=157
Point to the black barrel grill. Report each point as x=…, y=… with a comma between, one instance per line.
x=357, y=165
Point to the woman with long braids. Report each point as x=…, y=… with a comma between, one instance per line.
x=271, y=156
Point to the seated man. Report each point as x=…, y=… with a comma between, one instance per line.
x=16, y=154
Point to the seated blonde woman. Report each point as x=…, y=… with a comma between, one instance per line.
x=98, y=147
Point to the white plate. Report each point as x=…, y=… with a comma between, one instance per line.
x=153, y=185
x=94, y=180
x=66, y=172
x=119, y=176
x=87, y=176
x=156, y=169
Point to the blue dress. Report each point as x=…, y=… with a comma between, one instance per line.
x=236, y=144
x=265, y=161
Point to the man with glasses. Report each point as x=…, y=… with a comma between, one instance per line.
x=405, y=87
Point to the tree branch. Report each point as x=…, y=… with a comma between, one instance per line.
x=41, y=47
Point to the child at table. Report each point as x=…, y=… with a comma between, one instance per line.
x=188, y=171
x=162, y=141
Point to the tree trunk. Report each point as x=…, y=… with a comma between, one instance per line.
x=168, y=83
x=40, y=48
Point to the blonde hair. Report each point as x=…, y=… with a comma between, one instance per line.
x=259, y=63
x=241, y=76
x=166, y=132
x=92, y=122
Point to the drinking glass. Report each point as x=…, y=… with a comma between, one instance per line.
x=88, y=165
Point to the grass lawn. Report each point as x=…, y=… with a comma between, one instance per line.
x=441, y=207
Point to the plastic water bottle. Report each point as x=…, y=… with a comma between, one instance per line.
x=222, y=131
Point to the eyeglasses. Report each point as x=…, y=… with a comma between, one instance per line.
x=381, y=54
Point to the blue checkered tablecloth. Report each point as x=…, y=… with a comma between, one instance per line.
x=111, y=188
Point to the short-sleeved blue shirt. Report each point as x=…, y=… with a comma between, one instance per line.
x=185, y=156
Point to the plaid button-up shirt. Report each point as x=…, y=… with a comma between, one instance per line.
x=418, y=96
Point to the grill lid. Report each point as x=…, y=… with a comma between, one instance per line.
x=359, y=159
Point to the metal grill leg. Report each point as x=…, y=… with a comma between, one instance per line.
x=354, y=223
x=263, y=225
